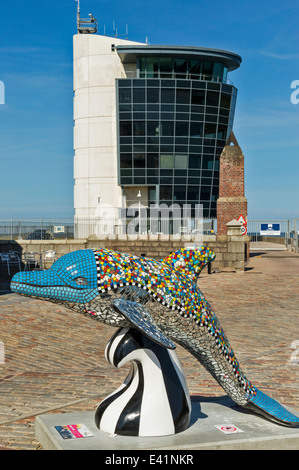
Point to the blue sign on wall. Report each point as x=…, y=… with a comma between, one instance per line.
x=270, y=229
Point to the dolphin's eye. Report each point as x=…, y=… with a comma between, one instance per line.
x=81, y=281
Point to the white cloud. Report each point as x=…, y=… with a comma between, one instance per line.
x=260, y=115
x=283, y=45
x=279, y=56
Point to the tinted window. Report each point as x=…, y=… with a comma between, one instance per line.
x=182, y=128
x=179, y=193
x=153, y=160
x=225, y=100
x=139, y=127
x=180, y=68
x=125, y=160
x=183, y=96
x=205, y=193
x=212, y=98
x=166, y=66
x=139, y=95
x=167, y=128
x=125, y=95
x=207, y=69
x=139, y=160
x=194, y=161
x=167, y=95
x=193, y=193
x=210, y=130
x=208, y=162
x=165, y=193
x=196, y=129
x=180, y=161
x=153, y=95
x=218, y=70
x=166, y=160
x=198, y=97
x=125, y=128
x=194, y=67
x=153, y=128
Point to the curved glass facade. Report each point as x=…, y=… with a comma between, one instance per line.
x=171, y=132
x=180, y=67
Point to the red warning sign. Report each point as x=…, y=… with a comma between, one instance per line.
x=228, y=428
x=244, y=224
x=242, y=220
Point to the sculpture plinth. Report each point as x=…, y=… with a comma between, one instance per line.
x=154, y=398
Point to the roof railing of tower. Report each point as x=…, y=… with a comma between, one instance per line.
x=86, y=25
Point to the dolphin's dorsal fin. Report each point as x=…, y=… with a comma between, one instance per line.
x=190, y=260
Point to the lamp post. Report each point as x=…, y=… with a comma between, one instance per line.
x=139, y=221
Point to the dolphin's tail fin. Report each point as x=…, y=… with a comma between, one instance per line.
x=262, y=404
x=190, y=261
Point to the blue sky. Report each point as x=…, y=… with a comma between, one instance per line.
x=36, y=132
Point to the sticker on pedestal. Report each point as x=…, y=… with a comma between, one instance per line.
x=228, y=428
x=73, y=431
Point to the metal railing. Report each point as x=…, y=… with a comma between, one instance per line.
x=70, y=228
x=135, y=225
x=36, y=229
x=277, y=234
x=176, y=75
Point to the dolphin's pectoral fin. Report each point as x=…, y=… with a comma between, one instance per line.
x=271, y=409
x=142, y=320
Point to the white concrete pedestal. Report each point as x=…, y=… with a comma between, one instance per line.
x=252, y=432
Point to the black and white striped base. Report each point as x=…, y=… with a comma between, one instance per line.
x=154, y=398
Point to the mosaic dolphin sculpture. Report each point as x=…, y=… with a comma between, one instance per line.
x=160, y=298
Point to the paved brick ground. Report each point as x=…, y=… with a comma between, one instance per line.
x=54, y=358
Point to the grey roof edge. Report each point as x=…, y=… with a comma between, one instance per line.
x=230, y=59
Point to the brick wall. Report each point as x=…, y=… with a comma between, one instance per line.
x=231, y=182
x=231, y=202
x=229, y=209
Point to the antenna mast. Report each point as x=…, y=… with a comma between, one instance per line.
x=78, y=13
x=86, y=25
x=115, y=31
